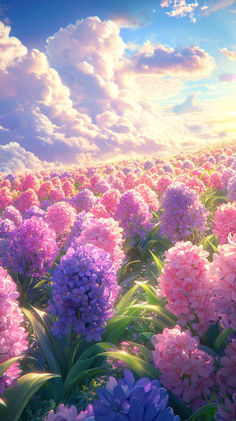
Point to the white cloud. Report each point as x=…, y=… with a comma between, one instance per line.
x=86, y=98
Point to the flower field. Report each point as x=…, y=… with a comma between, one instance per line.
x=118, y=291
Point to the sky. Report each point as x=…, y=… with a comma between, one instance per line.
x=85, y=82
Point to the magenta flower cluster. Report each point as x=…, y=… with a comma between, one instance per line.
x=186, y=284
x=186, y=370
x=13, y=337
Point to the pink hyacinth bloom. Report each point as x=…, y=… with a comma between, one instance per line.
x=44, y=190
x=186, y=284
x=225, y=221
x=30, y=181
x=215, y=181
x=110, y=200
x=13, y=340
x=187, y=371
x=6, y=198
x=26, y=200
x=56, y=194
x=60, y=217
x=99, y=211
x=223, y=275
x=163, y=183
x=105, y=234
x=149, y=196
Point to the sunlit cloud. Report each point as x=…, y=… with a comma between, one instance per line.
x=190, y=62
x=179, y=8
x=231, y=55
x=86, y=98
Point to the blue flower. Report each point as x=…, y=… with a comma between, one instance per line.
x=83, y=292
x=127, y=400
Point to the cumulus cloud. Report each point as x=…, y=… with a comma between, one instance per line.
x=180, y=8
x=192, y=62
x=85, y=98
x=231, y=55
x=191, y=104
x=14, y=158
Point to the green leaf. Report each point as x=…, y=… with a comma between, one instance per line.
x=208, y=409
x=16, y=398
x=42, y=334
x=6, y=364
x=159, y=264
x=116, y=326
x=146, y=353
x=139, y=366
x=151, y=293
x=125, y=268
x=221, y=338
x=80, y=368
x=126, y=299
x=164, y=314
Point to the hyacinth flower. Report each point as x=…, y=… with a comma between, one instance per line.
x=13, y=340
x=186, y=370
x=183, y=215
x=84, y=290
x=123, y=400
x=223, y=275
x=185, y=282
x=225, y=221
x=133, y=214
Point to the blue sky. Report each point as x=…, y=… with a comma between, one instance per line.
x=137, y=76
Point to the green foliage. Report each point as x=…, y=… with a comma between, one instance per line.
x=16, y=398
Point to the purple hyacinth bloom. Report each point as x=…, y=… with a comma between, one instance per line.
x=133, y=214
x=127, y=400
x=34, y=211
x=84, y=200
x=83, y=292
x=13, y=214
x=182, y=214
x=32, y=248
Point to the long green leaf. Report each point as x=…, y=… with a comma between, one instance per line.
x=17, y=397
x=80, y=378
x=126, y=299
x=151, y=293
x=43, y=337
x=125, y=268
x=139, y=366
x=221, y=338
x=116, y=326
x=6, y=364
x=146, y=353
x=158, y=262
x=208, y=409
x=164, y=314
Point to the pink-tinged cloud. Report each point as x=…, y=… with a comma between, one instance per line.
x=231, y=55
x=190, y=62
x=215, y=5
x=11, y=49
x=81, y=100
x=227, y=77
x=179, y=8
